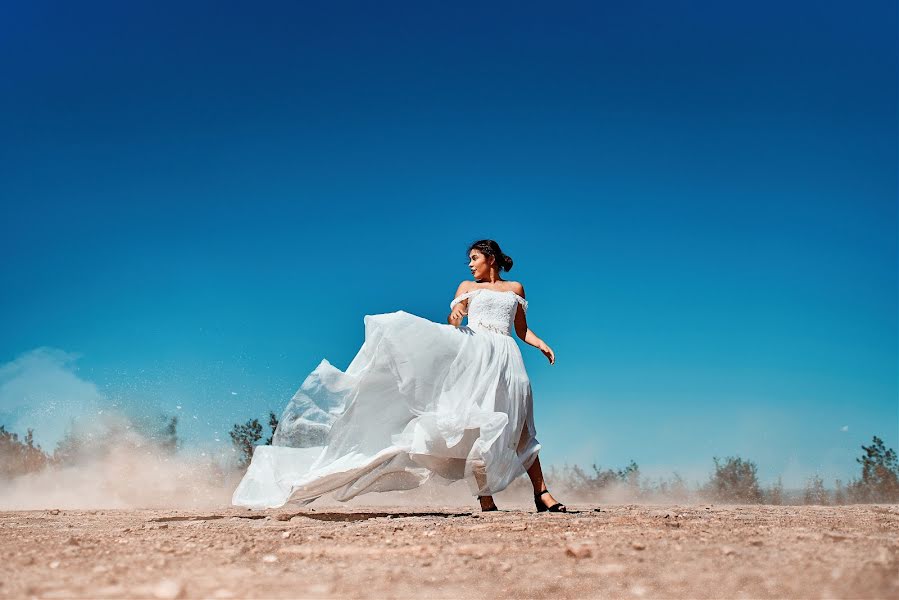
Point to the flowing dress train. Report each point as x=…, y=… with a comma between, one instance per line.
x=421, y=400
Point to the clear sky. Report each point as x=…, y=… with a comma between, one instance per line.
x=201, y=200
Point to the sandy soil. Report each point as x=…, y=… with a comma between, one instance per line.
x=378, y=552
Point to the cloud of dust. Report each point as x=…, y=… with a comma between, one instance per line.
x=103, y=458
x=114, y=465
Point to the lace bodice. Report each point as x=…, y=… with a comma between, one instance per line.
x=491, y=309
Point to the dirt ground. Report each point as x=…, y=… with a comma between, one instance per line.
x=617, y=551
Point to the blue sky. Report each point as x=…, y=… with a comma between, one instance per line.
x=201, y=200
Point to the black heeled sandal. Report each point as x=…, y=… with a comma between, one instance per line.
x=487, y=509
x=557, y=507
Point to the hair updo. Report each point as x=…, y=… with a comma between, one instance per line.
x=491, y=248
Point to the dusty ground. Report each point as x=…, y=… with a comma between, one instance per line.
x=619, y=551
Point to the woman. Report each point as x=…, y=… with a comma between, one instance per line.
x=419, y=401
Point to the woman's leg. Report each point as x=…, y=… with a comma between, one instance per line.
x=536, y=475
x=480, y=476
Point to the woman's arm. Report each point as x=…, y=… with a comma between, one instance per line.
x=527, y=335
x=461, y=309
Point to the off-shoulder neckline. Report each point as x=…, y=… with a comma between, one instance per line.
x=479, y=289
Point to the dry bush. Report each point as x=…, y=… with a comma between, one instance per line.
x=245, y=437
x=774, y=494
x=879, y=482
x=18, y=457
x=815, y=493
x=735, y=481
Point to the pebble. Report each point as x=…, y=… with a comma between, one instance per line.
x=578, y=551
x=54, y=512
x=55, y=564
x=269, y=558
x=168, y=589
x=638, y=546
x=610, y=569
x=727, y=551
x=285, y=535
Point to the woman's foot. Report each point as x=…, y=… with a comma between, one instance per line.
x=487, y=503
x=544, y=502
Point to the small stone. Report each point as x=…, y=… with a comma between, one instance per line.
x=755, y=542
x=168, y=589
x=54, y=512
x=319, y=589
x=72, y=541
x=284, y=516
x=505, y=567
x=269, y=558
x=610, y=569
x=578, y=551
x=727, y=551
x=638, y=545
x=285, y=535
x=55, y=564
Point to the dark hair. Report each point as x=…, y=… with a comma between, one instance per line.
x=491, y=248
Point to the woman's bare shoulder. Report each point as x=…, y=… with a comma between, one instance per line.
x=466, y=286
x=515, y=286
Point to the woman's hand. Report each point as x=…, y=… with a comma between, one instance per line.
x=547, y=352
x=455, y=317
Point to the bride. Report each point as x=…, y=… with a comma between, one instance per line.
x=420, y=401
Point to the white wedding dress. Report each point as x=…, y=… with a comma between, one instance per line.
x=421, y=400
